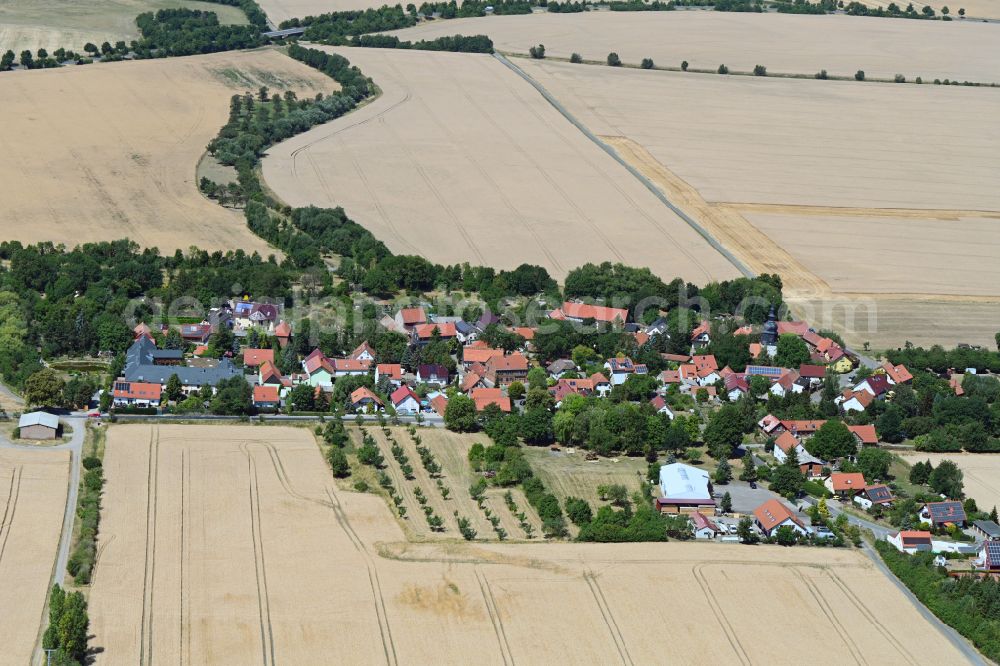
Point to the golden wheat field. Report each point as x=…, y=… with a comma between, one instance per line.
x=461, y=160
x=282, y=10
x=33, y=488
x=109, y=151
x=70, y=24
x=233, y=544
x=785, y=43
x=981, y=473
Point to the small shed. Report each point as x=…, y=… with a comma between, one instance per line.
x=38, y=425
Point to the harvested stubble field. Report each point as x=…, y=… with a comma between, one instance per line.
x=233, y=544
x=33, y=488
x=451, y=450
x=845, y=214
x=460, y=160
x=785, y=43
x=282, y=10
x=109, y=151
x=981, y=472
x=50, y=24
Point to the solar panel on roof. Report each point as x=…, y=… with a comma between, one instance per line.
x=766, y=371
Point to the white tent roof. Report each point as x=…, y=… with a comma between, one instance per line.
x=680, y=481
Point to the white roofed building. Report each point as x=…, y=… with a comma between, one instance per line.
x=684, y=489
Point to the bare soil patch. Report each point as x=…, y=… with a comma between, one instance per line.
x=461, y=160
x=74, y=171
x=33, y=487
x=796, y=44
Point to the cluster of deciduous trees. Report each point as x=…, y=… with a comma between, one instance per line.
x=177, y=32
x=359, y=22
x=81, y=562
x=68, y=627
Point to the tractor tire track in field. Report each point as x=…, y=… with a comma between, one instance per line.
x=609, y=618
x=385, y=631
x=97, y=559
x=831, y=617
x=494, y=612
x=720, y=615
x=871, y=617
x=149, y=566
x=295, y=153
x=183, y=554
x=7, y=524
x=433, y=189
x=482, y=171
x=555, y=187
x=260, y=571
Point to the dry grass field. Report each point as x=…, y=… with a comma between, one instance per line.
x=795, y=44
x=50, y=24
x=233, y=544
x=847, y=215
x=973, y=8
x=33, y=488
x=75, y=172
x=981, y=472
x=571, y=475
x=461, y=160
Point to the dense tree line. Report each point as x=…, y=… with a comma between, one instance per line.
x=639, y=6
x=455, y=43
x=471, y=8
x=179, y=32
x=255, y=15
x=970, y=605
x=81, y=562
x=346, y=23
x=939, y=360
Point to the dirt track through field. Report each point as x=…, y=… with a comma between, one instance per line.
x=33, y=488
x=259, y=557
x=461, y=160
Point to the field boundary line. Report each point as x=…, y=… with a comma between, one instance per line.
x=608, y=616
x=720, y=615
x=709, y=238
x=494, y=612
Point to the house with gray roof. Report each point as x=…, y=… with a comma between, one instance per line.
x=38, y=425
x=141, y=366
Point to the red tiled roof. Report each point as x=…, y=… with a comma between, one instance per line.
x=658, y=403
x=477, y=354
x=412, y=316
x=796, y=327
x=265, y=394
x=769, y=423
x=812, y=371
x=254, y=357
x=390, y=370
x=363, y=392
x=897, y=373
x=847, y=481
x=863, y=397
x=351, y=365
x=700, y=329
x=511, y=362
x=439, y=403
x=772, y=513
x=525, y=332
x=598, y=378
x=402, y=393
x=705, y=361
x=489, y=396
x=676, y=358
x=426, y=331
x=139, y=391
x=866, y=433
x=701, y=521
x=786, y=441
x=915, y=537
x=283, y=330
x=595, y=312
x=470, y=381
x=361, y=349
x=803, y=427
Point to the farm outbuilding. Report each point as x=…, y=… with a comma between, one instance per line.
x=38, y=425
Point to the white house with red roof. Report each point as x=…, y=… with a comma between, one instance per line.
x=136, y=394
x=364, y=399
x=911, y=541
x=421, y=334
x=364, y=352
x=405, y=401
x=772, y=515
x=266, y=397
x=393, y=372
x=703, y=526
x=254, y=357
x=845, y=484
x=700, y=336
x=897, y=374
x=661, y=407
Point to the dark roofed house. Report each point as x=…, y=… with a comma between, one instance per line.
x=950, y=512
x=989, y=557
x=432, y=373
x=196, y=332
x=877, y=494
x=987, y=529
x=140, y=367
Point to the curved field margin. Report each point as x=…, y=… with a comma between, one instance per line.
x=261, y=557
x=50, y=24
x=793, y=44
x=462, y=160
x=109, y=151
x=33, y=487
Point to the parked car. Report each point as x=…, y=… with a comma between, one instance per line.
x=824, y=533
x=753, y=484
